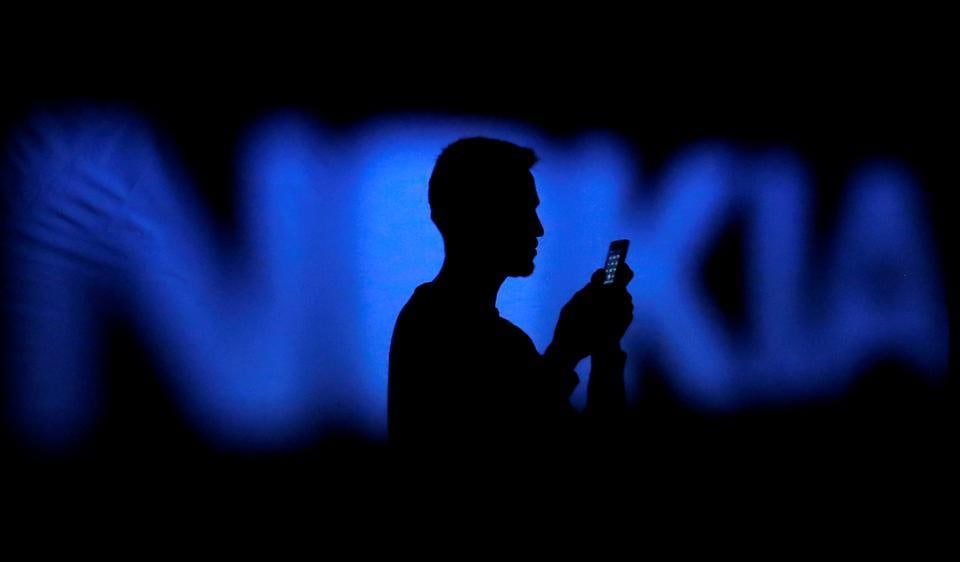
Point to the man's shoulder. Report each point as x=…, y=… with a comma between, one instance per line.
x=420, y=313
x=429, y=312
x=420, y=304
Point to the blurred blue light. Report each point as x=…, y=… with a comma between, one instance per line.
x=270, y=346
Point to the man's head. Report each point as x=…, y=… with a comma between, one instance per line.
x=484, y=202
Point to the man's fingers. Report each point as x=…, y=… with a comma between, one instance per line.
x=597, y=277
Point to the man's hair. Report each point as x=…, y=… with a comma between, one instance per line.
x=470, y=171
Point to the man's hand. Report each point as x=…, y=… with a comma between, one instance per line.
x=594, y=320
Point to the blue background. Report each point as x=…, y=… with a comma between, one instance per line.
x=279, y=337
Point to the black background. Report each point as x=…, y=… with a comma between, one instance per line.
x=836, y=91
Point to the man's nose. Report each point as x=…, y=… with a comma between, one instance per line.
x=538, y=228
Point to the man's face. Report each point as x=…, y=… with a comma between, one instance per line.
x=515, y=228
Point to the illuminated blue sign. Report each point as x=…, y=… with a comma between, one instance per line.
x=269, y=345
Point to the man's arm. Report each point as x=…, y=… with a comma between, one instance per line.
x=606, y=396
x=593, y=323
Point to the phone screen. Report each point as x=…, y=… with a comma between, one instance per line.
x=616, y=255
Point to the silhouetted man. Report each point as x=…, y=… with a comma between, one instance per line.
x=461, y=376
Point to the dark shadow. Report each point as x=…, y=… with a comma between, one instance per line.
x=465, y=380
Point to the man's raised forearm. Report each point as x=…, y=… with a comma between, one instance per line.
x=606, y=396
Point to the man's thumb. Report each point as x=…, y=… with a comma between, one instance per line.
x=597, y=277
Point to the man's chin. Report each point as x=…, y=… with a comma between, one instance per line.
x=523, y=271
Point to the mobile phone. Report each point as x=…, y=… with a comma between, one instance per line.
x=616, y=255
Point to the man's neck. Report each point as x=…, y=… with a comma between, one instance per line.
x=475, y=287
